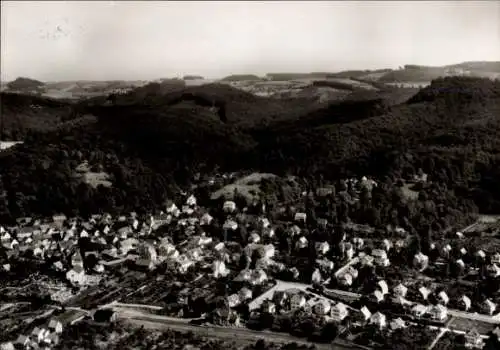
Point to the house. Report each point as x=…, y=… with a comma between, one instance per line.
x=22, y=341
x=424, y=292
x=233, y=300
x=294, y=230
x=7, y=346
x=268, y=232
x=184, y=263
x=339, y=312
x=378, y=296
x=230, y=225
x=473, y=340
x=267, y=251
x=202, y=240
x=463, y=251
x=244, y=275
x=419, y=310
x=400, y=290
x=76, y=275
x=366, y=260
x=254, y=238
x=420, y=261
x=219, y=269
x=345, y=279
x=316, y=277
x=378, y=319
x=348, y=251
x=358, y=243
x=268, y=307
x=325, y=265
x=384, y=288
x=258, y=277
x=323, y=223
x=481, y=254
x=186, y=209
x=191, y=201
x=322, y=247
x=229, y=206
x=55, y=326
x=322, y=307
x=495, y=258
x=488, y=307
x=365, y=313
x=38, y=334
x=302, y=243
x=280, y=298
x=5, y=236
x=397, y=323
x=380, y=257
x=443, y=298
x=493, y=270
x=464, y=303
x=438, y=312
x=297, y=301
x=206, y=219
x=445, y=251
x=245, y=294
x=386, y=245
x=300, y=217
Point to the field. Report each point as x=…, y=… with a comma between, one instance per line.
x=248, y=186
x=466, y=325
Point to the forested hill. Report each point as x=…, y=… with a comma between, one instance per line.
x=449, y=130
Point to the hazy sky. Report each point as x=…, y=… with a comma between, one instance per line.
x=148, y=40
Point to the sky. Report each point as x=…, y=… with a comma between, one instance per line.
x=107, y=40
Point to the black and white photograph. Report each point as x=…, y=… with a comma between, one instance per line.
x=250, y=175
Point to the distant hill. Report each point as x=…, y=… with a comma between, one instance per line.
x=241, y=77
x=24, y=84
x=192, y=77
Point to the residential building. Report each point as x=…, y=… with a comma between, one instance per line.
x=488, y=307
x=424, y=292
x=383, y=287
x=302, y=243
x=397, y=323
x=464, y=303
x=473, y=340
x=378, y=296
x=322, y=247
x=219, y=269
x=400, y=290
x=297, y=301
x=245, y=294
x=438, y=312
x=229, y=206
x=55, y=326
x=339, y=312
x=258, y=277
x=378, y=319
x=268, y=307
x=322, y=307
x=443, y=298
x=230, y=225
x=495, y=258
x=380, y=257
x=420, y=261
x=419, y=310
x=300, y=217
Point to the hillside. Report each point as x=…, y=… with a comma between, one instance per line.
x=241, y=77
x=414, y=73
x=24, y=113
x=24, y=84
x=449, y=129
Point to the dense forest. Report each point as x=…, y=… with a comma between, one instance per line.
x=149, y=148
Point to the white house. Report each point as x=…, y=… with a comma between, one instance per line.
x=300, y=217
x=495, y=258
x=345, y=279
x=380, y=257
x=438, y=312
x=206, y=219
x=464, y=302
x=339, y=312
x=365, y=313
x=191, y=201
x=473, y=340
x=384, y=288
x=258, y=277
x=55, y=326
x=230, y=225
x=424, y=292
x=443, y=298
x=493, y=270
x=297, y=301
x=301, y=243
x=245, y=294
x=397, y=323
x=420, y=261
x=316, y=277
x=419, y=310
x=378, y=296
x=322, y=307
x=488, y=307
x=322, y=247
x=229, y=206
x=379, y=320
x=219, y=269
x=400, y=290
x=76, y=275
x=233, y=300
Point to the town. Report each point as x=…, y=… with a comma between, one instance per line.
x=243, y=264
